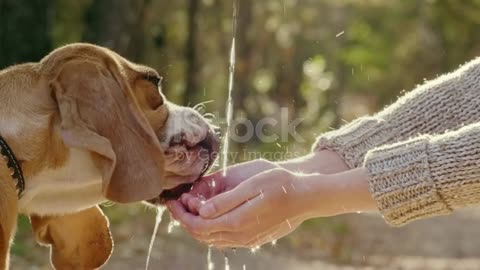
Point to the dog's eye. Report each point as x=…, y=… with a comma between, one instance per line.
x=154, y=79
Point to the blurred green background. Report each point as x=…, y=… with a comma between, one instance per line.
x=327, y=61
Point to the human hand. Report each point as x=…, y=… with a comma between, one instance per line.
x=272, y=204
x=261, y=209
x=218, y=182
x=322, y=162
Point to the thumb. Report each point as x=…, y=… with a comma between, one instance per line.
x=226, y=202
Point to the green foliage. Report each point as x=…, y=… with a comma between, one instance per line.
x=24, y=30
x=370, y=50
x=19, y=247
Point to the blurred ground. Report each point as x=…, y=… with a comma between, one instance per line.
x=349, y=242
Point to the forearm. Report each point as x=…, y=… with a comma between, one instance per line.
x=445, y=103
x=322, y=162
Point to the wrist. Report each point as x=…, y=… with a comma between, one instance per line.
x=336, y=194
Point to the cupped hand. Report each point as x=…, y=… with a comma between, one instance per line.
x=266, y=207
x=220, y=182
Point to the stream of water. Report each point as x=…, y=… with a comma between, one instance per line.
x=231, y=79
x=158, y=220
x=226, y=144
x=229, y=117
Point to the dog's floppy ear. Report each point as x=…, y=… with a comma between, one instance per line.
x=99, y=113
x=78, y=241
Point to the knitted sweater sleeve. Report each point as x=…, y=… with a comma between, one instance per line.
x=426, y=176
x=446, y=103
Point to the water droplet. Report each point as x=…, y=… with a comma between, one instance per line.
x=293, y=186
x=289, y=225
x=172, y=225
x=202, y=198
x=255, y=249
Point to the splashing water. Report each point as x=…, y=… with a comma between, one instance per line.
x=158, y=220
x=227, y=263
x=210, y=265
x=229, y=112
x=255, y=249
x=171, y=225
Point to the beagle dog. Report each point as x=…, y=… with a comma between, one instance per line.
x=84, y=126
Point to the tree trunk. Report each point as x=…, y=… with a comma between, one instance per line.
x=25, y=30
x=191, y=73
x=118, y=25
x=288, y=78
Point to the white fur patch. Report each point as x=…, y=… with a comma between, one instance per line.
x=75, y=186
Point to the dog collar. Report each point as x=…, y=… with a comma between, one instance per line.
x=12, y=164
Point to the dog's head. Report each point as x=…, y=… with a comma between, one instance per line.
x=144, y=145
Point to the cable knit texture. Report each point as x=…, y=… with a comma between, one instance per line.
x=418, y=166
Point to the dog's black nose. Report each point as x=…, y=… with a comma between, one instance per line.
x=211, y=143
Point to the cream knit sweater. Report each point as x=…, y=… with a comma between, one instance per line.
x=423, y=152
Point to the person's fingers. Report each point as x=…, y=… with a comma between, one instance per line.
x=236, y=239
x=174, y=207
x=196, y=224
x=194, y=204
x=249, y=238
x=208, y=186
x=227, y=201
x=184, y=198
x=249, y=227
x=235, y=210
x=233, y=240
x=180, y=212
x=191, y=202
x=246, y=190
x=238, y=222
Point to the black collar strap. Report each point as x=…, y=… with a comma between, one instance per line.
x=12, y=163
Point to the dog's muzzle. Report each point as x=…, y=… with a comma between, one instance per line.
x=208, y=152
